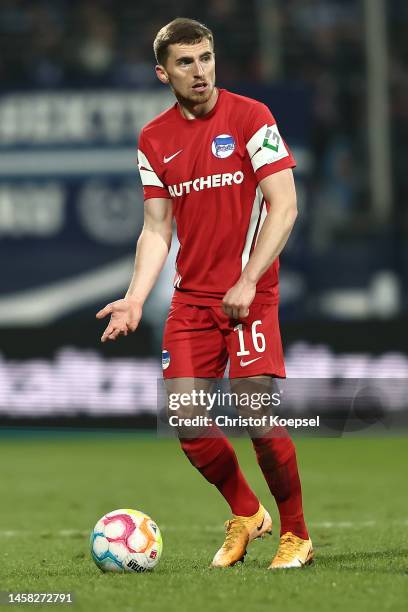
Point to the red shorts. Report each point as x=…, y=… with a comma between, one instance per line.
x=198, y=340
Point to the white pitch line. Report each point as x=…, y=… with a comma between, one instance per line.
x=343, y=524
x=66, y=533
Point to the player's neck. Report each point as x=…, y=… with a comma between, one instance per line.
x=194, y=111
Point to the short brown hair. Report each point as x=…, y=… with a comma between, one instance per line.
x=180, y=30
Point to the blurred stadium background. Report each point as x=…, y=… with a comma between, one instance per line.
x=76, y=86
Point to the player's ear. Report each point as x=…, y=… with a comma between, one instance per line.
x=161, y=74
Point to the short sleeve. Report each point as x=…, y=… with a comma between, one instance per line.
x=266, y=148
x=153, y=187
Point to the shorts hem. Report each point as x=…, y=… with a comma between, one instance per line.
x=192, y=375
x=272, y=373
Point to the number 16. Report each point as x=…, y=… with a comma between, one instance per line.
x=258, y=339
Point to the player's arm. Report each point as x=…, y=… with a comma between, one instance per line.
x=279, y=190
x=152, y=249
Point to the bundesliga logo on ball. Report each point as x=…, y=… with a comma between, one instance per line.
x=223, y=145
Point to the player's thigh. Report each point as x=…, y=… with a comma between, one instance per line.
x=193, y=345
x=188, y=405
x=192, y=391
x=255, y=345
x=257, y=401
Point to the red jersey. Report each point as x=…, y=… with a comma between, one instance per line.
x=210, y=168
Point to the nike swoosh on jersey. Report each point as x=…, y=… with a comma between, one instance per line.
x=261, y=525
x=167, y=159
x=245, y=363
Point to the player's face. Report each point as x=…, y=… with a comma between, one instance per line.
x=190, y=71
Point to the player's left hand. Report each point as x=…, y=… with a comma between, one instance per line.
x=238, y=299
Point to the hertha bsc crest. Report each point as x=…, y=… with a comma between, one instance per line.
x=223, y=145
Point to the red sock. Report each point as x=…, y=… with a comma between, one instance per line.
x=216, y=460
x=277, y=459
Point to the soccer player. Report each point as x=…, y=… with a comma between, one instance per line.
x=216, y=162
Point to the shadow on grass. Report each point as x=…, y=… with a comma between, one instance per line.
x=374, y=562
x=377, y=562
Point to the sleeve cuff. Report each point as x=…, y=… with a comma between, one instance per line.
x=155, y=192
x=268, y=169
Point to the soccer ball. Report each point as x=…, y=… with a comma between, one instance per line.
x=126, y=541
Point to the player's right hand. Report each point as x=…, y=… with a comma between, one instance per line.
x=125, y=317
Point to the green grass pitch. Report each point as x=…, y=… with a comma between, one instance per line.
x=53, y=489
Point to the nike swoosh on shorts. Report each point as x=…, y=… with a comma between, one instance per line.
x=245, y=363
